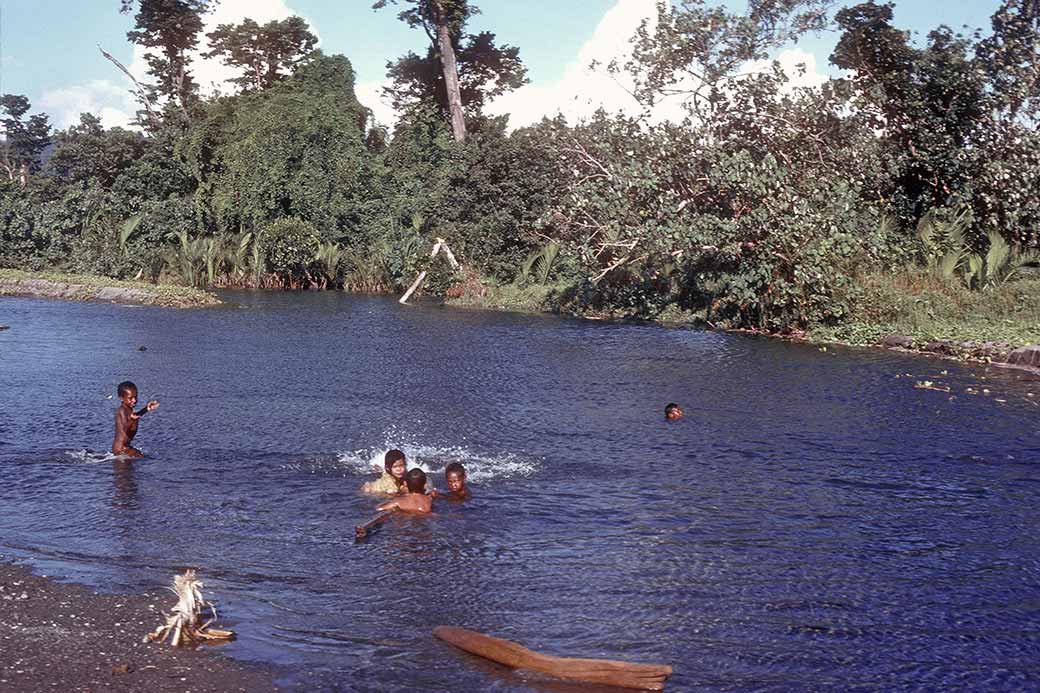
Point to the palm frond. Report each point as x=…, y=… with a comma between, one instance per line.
x=127, y=230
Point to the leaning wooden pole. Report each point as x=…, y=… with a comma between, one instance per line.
x=647, y=677
x=439, y=245
x=447, y=252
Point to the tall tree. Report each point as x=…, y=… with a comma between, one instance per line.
x=170, y=30
x=485, y=71
x=265, y=54
x=441, y=19
x=1011, y=57
x=930, y=102
x=24, y=139
x=294, y=150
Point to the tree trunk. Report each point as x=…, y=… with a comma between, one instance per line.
x=451, y=72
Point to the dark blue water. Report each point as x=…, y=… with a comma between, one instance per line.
x=815, y=522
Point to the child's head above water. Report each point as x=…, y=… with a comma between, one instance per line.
x=416, y=481
x=394, y=463
x=126, y=390
x=455, y=477
x=672, y=411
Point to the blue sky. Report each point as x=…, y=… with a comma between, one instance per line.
x=49, y=47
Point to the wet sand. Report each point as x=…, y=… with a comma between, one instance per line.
x=62, y=637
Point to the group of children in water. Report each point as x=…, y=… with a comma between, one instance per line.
x=408, y=487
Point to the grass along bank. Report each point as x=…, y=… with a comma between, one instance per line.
x=85, y=287
x=940, y=315
x=934, y=315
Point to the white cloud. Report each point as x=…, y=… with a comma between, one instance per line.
x=370, y=94
x=581, y=90
x=798, y=65
x=112, y=103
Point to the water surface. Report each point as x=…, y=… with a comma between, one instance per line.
x=814, y=523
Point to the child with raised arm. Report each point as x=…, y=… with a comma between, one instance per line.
x=392, y=480
x=127, y=419
x=415, y=500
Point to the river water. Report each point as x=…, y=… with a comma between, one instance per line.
x=814, y=523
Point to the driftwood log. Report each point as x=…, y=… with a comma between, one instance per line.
x=182, y=625
x=362, y=531
x=647, y=677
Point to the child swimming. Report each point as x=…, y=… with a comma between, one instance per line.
x=392, y=479
x=415, y=500
x=455, y=478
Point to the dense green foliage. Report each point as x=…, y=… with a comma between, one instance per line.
x=765, y=207
x=264, y=54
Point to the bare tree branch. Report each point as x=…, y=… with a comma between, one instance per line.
x=141, y=93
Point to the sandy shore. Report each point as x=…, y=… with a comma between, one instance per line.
x=73, y=287
x=62, y=637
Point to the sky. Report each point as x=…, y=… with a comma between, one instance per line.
x=49, y=49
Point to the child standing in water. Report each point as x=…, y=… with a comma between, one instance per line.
x=127, y=419
x=392, y=479
x=415, y=500
x=455, y=478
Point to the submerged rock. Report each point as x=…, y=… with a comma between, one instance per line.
x=940, y=347
x=1025, y=356
x=897, y=341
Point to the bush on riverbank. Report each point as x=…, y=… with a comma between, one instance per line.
x=918, y=304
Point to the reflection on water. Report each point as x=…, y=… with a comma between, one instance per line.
x=125, y=496
x=813, y=521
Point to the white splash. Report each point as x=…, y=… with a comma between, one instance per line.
x=432, y=459
x=89, y=457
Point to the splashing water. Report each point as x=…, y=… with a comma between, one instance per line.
x=91, y=457
x=432, y=459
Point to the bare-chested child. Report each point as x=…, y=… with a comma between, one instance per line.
x=455, y=478
x=127, y=419
x=415, y=500
x=392, y=480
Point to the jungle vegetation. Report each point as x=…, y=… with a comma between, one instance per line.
x=763, y=207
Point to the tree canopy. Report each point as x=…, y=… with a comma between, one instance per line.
x=763, y=206
x=264, y=54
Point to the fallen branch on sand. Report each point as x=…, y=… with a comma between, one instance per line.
x=182, y=625
x=647, y=677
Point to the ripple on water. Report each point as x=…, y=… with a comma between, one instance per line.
x=814, y=523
